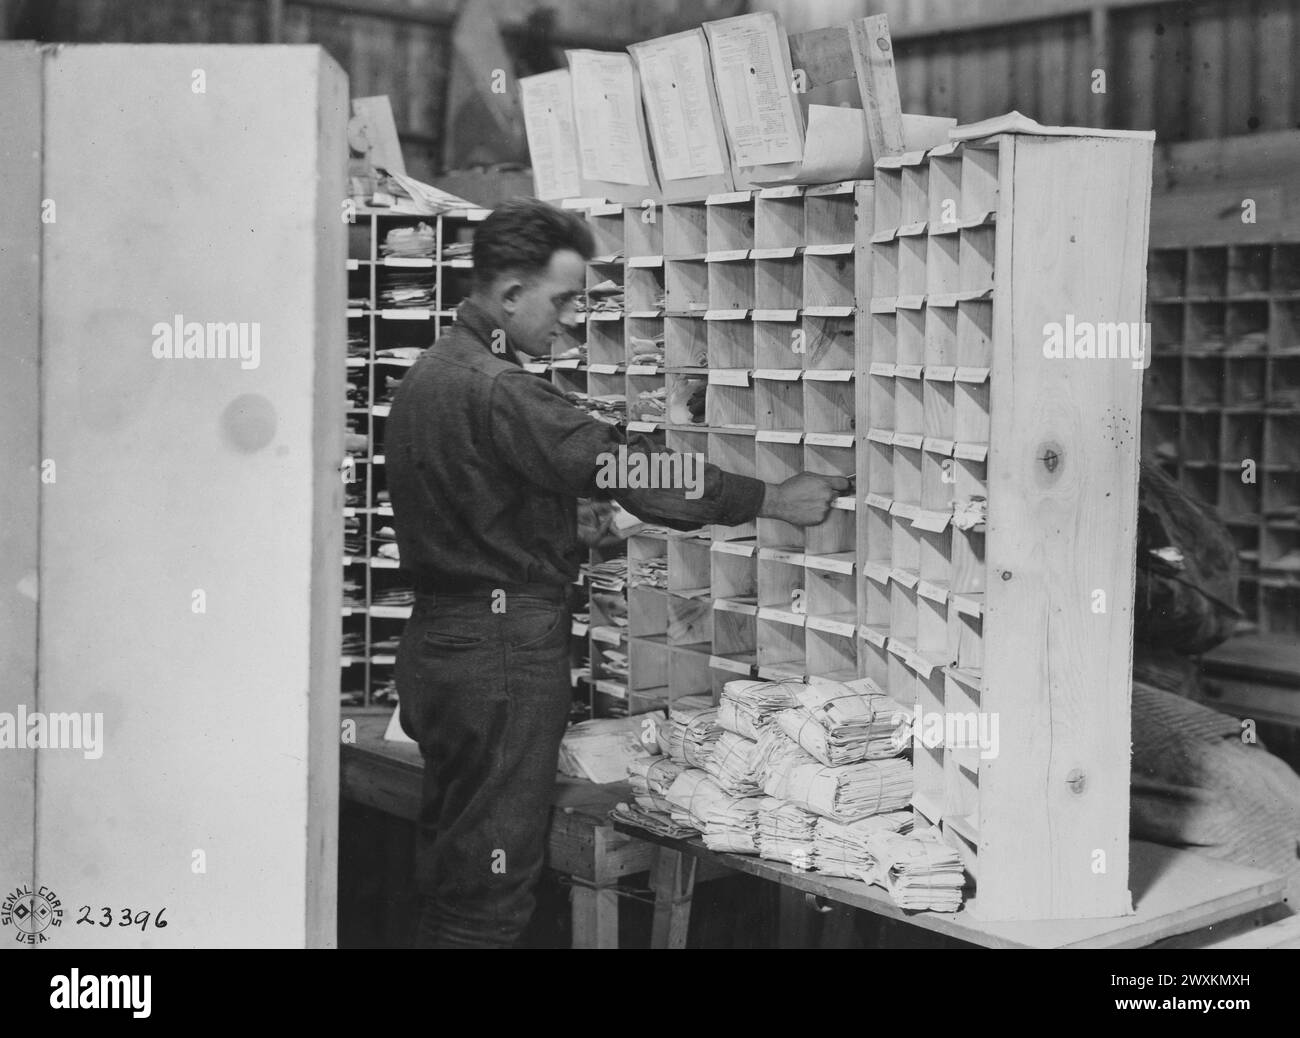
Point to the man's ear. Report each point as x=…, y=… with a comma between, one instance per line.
x=508, y=290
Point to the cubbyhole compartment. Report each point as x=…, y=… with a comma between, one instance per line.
x=611, y=392
x=607, y=230
x=686, y=342
x=1206, y=326
x=938, y=481
x=778, y=283
x=1280, y=549
x=873, y=663
x=778, y=220
x=875, y=586
x=643, y=232
x=828, y=407
x=647, y=563
x=687, y=441
x=1163, y=382
x=883, y=343
x=688, y=673
x=1248, y=598
x=645, y=341
x=647, y=612
x=687, y=286
x=828, y=280
x=644, y=289
x=971, y=411
x=1201, y=436
x=647, y=398
x=830, y=460
x=685, y=395
x=975, y=333
x=775, y=463
x=1245, y=537
x=889, y=198
x=1281, y=608
x=731, y=285
x=935, y=547
x=1284, y=382
x=829, y=343
x=1166, y=273
x=1243, y=438
x=975, y=258
x=831, y=593
x=779, y=344
x=1167, y=330
x=685, y=229
x=966, y=636
x=605, y=343
x=915, y=203
x=731, y=344
x=979, y=181
x=829, y=218
x=1237, y=499
x=831, y=655
x=931, y=627
x=907, y=475
x=837, y=534
x=903, y=615
x=1247, y=327
x=647, y=669
x=943, y=273
x=1248, y=268
x=1281, y=494
x=945, y=192
x=1160, y=435
x=778, y=404
x=570, y=380
x=880, y=474
x=732, y=452
x=1207, y=272
x=968, y=569
x=1204, y=381
x=1286, y=268
x=781, y=649
x=912, y=275
x=1202, y=481
x=909, y=405
x=939, y=397
x=884, y=269
x=730, y=406
x=1286, y=327
x=690, y=622
x=734, y=575
x=1282, y=440
x=688, y=565
x=911, y=339
x=880, y=402
x=730, y=227
x=781, y=583
x=735, y=633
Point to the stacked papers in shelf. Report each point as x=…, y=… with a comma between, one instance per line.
x=416, y=242
x=785, y=833
x=918, y=871
x=845, y=793
x=732, y=765
x=727, y=823
x=840, y=726
x=747, y=707
x=840, y=848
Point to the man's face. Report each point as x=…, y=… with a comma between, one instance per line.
x=539, y=308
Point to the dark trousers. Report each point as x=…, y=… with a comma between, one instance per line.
x=486, y=696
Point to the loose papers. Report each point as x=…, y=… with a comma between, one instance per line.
x=606, y=109
x=552, y=138
x=677, y=87
x=751, y=67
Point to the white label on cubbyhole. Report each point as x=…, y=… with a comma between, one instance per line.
x=725, y=315
x=971, y=451
x=642, y=426
x=879, y=501
x=837, y=249
x=877, y=636
x=903, y=576
x=940, y=372
x=722, y=663
x=779, y=374
x=775, y=315
x=829, y=439
x=828, y=375
x=603, y=369
x=883, y=369
x=728, y=606
x=877, y=571
x=781, y=555
x=782, y=616
x=780, y=252
x=645, y=261
x=733, y=548
x=729, y=377
x=833, y=563
x=824, y=623
x=934, y=445
x=908, y=370
x=778, y=436
x=880, y=436
x=933, y=592
x=931, y=521
x=912, y=440
x=642, y=369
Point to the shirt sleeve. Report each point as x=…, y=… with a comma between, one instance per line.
x=550, y=443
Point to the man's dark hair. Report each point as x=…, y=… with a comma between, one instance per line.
x=521, y=236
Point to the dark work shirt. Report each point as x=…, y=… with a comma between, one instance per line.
x=486, y=460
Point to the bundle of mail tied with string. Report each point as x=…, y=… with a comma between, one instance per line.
x=918, y=871
x=726, y=823
x=843, y=724
x=692, y=730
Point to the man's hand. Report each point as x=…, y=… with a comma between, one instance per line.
x=804, y=500
x=594, y=518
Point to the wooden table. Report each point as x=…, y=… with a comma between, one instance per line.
x=1174, y=892
x=582, y=843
